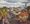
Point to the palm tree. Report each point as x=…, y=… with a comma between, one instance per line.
x=4, y=11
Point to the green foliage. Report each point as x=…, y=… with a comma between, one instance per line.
x=28, y=8
x=3, y=11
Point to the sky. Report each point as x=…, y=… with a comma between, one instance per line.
x=12, y=3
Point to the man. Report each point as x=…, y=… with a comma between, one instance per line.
x=23, y=15
x=22, y=18
x=0, y=20
x=0, y=17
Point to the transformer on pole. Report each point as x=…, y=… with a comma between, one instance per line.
x=26, y=2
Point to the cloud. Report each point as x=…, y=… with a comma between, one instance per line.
x=8, y=4
x=11, y=1
x=4, y=3
x=14, y=1
x=23, y=0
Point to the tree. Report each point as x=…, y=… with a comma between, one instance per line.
x=28, y=9
x=3, y=11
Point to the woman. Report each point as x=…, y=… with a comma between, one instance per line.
x=5, y=20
